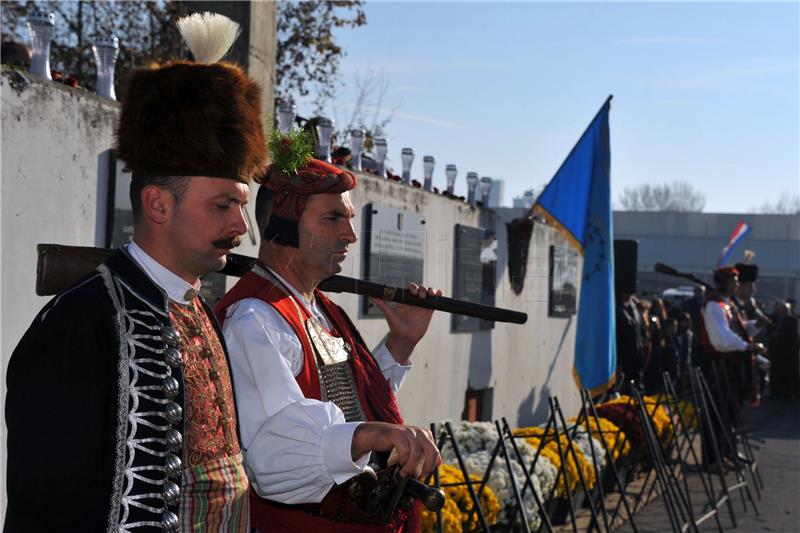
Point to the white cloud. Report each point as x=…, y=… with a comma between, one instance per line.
x=404, y=68
x=422, y=119
x=432, y=121
x=690, y=76
x=642, y=40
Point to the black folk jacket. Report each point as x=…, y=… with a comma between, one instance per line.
x=93, y=436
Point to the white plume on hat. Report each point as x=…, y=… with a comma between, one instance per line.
x=208, y=35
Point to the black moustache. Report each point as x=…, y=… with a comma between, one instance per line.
x=230, y=244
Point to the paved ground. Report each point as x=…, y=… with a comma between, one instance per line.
x=778, y=425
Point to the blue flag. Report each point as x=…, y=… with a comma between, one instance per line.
x=577, y=202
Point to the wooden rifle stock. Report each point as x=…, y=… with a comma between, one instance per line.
x=60, y=266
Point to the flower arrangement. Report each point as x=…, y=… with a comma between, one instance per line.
x=500, y=483
x=687, y=411
x=625, y=416
x=618, y=425
x=544, y=469
x=455, y=513
x=623, y=412
x=477, y=441
x=605, y=429
x=660, y=416
x=451, y=518
x=689, y=414
x=592, y=449
x=655, y=407
x=471, y=437
x=534, y=437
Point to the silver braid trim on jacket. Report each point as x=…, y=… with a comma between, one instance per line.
x=122, y=403
x=141, y=361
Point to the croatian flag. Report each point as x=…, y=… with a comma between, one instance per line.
x=736, y=237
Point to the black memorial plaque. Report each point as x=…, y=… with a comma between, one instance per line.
x=563, y=292
x=394, y=249
x=119, y=228
x=475, y=261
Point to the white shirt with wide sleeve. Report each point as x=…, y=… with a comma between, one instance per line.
x=717, y=319
x=295, y=448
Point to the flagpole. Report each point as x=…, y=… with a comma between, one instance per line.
x=610, y=96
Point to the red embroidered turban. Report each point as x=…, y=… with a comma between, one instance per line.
x=721, y=275
x=293, y=189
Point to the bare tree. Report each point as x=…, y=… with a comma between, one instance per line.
x=307, y=52
x=787, y=204
x=676, y=196
x=367, y=111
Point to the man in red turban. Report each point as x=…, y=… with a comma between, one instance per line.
x=726, y=347
x=314, y=401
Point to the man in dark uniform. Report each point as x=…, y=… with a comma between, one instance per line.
x=756, y=322
x=120, y=406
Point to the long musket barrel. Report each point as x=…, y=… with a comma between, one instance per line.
x=661, y=268
x=59, y=266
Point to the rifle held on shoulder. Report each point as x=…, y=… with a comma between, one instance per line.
x=60, y=266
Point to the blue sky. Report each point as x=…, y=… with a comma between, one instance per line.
x=703, y=92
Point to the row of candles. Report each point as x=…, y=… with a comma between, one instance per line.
x=286, y=120
x=41, y=25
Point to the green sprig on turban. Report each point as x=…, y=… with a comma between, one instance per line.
x=290, y=151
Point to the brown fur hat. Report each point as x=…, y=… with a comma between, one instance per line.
x=192, y=119
x=748, y=273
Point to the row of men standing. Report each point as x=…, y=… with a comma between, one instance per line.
x=730, y=346
x=127, y=410
x=654, y=337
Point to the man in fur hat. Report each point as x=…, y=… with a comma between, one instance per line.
x=756, y=322
x=745, y=296
x=120, y=408
x=314, y=401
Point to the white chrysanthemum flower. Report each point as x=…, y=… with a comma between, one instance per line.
x=476, y=441
x=586, y=445
x=500, y=483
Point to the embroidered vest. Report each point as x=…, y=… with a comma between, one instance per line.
x=210, y=417
x=735, y=322
x=214, y=483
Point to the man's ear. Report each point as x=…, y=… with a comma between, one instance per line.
x=157, y=204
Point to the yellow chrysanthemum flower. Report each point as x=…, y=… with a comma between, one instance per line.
x=550, y=450
x=459, y=500
x=451, y=518
x=610, y=432
x=659, y=415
